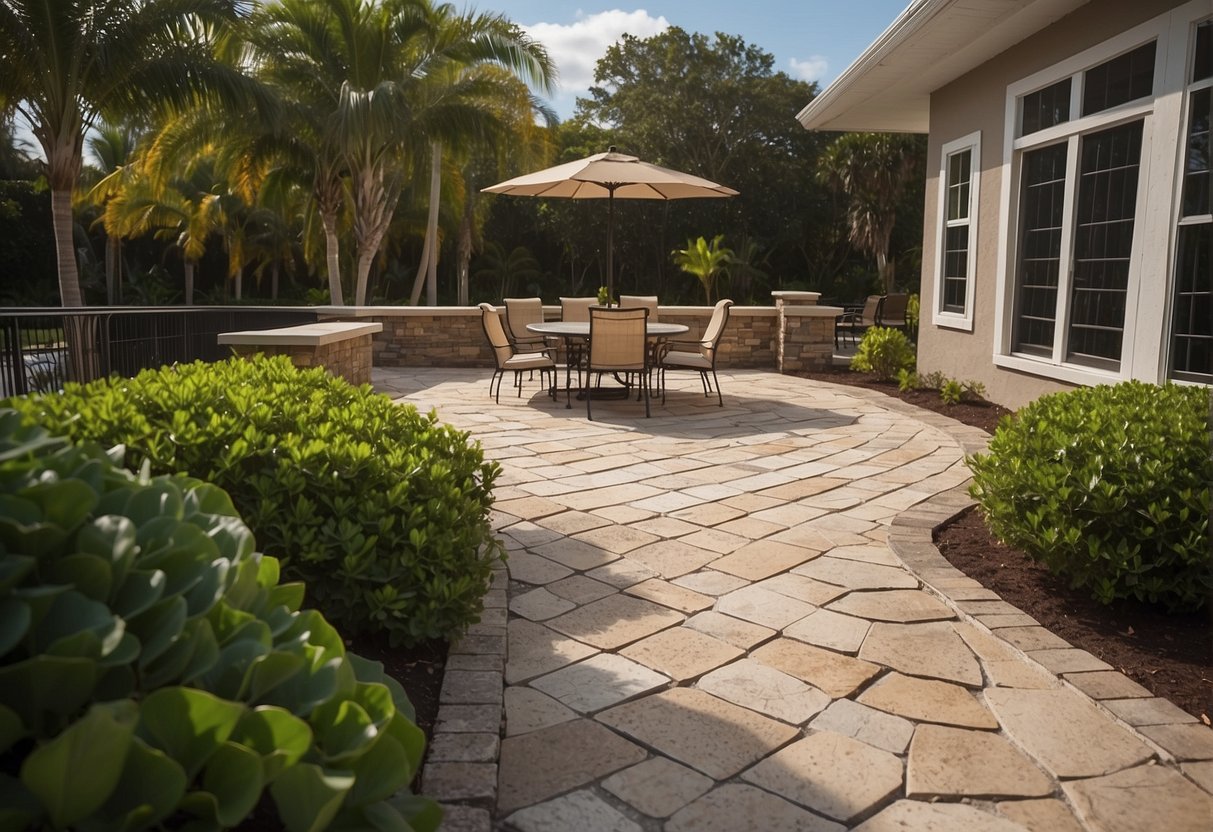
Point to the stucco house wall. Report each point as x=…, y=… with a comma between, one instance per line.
x=976, y=107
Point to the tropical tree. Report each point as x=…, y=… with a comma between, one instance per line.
x=873, y=171
x=66, y=63
x=112, y=147
x=515, y=268
x=706, y=261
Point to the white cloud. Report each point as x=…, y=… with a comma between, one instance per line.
x=811, y=69
x=576, y=47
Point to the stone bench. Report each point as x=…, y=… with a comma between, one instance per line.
x=344, y=349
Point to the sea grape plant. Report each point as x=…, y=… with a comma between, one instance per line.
x=152, y=666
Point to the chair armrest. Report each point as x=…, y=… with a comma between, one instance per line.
x=674, y=342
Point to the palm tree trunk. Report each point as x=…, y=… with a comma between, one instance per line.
x=431, y=228
x=111, y=267
x=464, y=249
x=332, y=256
x=274, y=281
x=239, y=283
x=885, y=269
x=69, y=274
x=422, y=269
x=189, y=282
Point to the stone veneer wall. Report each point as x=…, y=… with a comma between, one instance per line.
x=453, y=336
x=350, y=359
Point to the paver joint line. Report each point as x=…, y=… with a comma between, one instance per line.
x=765, y=573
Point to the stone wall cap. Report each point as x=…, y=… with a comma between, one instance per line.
x=813, y=311
x=788, y=294
x=315, y=335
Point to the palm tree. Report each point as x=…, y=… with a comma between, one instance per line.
x=112, y=146
x=873, y=170
x=478, y=68
x=517, y=267
x=705, y=261
x=67, y=62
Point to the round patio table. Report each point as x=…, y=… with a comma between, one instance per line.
x=576, y=332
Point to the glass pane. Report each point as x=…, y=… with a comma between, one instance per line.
x=958, y=184
x=1046, y=107
x=1196, y=169
x=1127, y=78
x=1202, y=67
x=1041, y=204
x=1103, y=242
x=955, y=268
x=1192, y=324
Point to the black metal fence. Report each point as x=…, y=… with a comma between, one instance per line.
x=40, y=349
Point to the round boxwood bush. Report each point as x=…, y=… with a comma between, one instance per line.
x=382, y=511
x=884, y=351
x=1109, y=487
x=153, y=670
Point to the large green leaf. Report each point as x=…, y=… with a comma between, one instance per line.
x=14, y=623
x=159, y=627
x=208, y=499
x=231, y=535
x=411, y=739
x=88, y=574
x=151, y=786
x=422, y=814
x=47, y=685
x=111, y=538
x=188, y=724
x=308, y=797
x=267, y=672
x=301, y=693
x=280, y=737
x=343, y=730
x=71, y=614
x=380, y=772
x=192, y=654
x=233, y=775
x=160, y=499
x=13, y=568
x=65, y=503
x=75, y=773
x=139, y=591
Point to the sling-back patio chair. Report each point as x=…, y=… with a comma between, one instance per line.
x=648, y=302
x=700, y=355
x=857, y=321
x=892, y=312
x=506, y=357
x=518, y=313
x=618, y=344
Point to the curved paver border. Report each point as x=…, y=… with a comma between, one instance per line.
x=1155, y=720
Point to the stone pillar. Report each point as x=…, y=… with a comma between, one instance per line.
x=344, y=349
x=806, y=337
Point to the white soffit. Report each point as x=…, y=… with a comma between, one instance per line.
x=929, y=45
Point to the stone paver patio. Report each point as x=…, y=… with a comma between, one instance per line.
x=733, y=618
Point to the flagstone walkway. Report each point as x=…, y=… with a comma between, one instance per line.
x=732, y=618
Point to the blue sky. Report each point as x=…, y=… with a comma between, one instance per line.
x=810, y=39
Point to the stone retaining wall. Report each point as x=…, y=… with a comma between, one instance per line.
x=344, y=349
x=453, y=337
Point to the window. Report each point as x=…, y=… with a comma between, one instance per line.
x=1106, y=245
x=1191, y=345
x=956, y=260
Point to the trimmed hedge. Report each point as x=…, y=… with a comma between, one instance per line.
x=153, y=669
x=380, y=510
x=1109, y=487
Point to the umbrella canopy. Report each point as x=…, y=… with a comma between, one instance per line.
x=609, y=176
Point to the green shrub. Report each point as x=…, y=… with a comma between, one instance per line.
x=884, y=351
x=1109, y=487
x=152, y=667
x=381, y=511
x=951, y=392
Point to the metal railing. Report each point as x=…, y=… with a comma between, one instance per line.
x=41, y=349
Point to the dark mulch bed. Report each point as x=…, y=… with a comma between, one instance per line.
x=418, y=670
x=1169, y=655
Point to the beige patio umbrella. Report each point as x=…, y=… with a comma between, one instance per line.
x=610, y=175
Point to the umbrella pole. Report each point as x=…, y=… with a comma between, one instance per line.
x=610, y=244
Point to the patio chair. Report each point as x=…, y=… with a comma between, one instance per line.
x=618, y=344
x=699, y=356
x=892, y=312
x=506, y=357
x=648, y=302
x=518, y=313
x=576, y=309
x=857, y=321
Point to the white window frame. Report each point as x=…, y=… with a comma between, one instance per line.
x=1153, y=242
x=942, y=317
